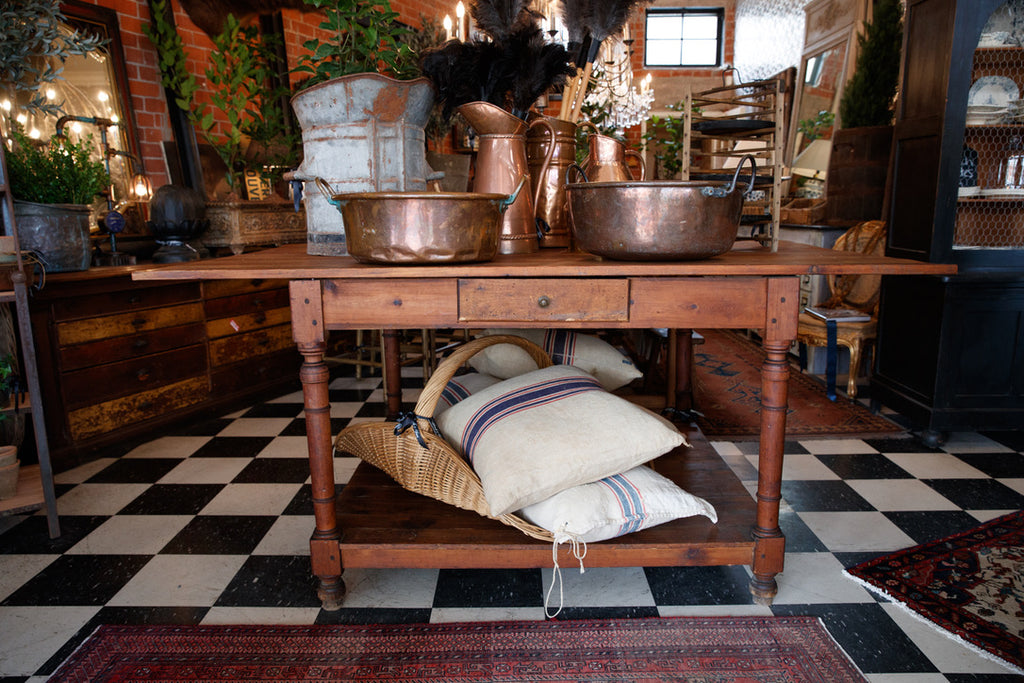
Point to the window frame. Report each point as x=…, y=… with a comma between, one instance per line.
x=717, y=12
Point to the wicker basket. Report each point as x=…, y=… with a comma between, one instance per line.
x=434, y=468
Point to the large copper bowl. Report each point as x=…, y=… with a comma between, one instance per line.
x=656, y=220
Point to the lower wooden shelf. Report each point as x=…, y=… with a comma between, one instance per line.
x=29, y=495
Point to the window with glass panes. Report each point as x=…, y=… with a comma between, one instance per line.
x=684, y=37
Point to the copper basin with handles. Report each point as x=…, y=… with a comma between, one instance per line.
x=660, y=220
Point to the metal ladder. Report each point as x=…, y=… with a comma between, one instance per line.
x=19, y=295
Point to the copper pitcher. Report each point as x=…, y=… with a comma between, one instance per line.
x=606, y=160
x=500, y=165
x=549, y=186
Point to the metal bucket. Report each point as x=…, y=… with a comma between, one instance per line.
x=58, y=234
x=657, y=220
x=361, y=133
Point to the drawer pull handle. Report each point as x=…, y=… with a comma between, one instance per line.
x=138, y=322
x=140, y=343
x=146, y=405
x=134, y=299
x=260, y=318
x=543, y=302
x=263, y=341
x=142, y=375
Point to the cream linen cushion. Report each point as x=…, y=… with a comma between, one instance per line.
x=565, y=347
x=461, y=387
x=534, y=435
x=616, y=505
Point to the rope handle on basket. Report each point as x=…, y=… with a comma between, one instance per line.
x=449, y=366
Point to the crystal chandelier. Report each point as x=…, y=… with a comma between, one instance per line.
x=613, y=91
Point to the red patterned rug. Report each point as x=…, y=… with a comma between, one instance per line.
x=721, y=649
x=970, y=584
x=727, y=393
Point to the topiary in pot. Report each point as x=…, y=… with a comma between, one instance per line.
x=869, y=94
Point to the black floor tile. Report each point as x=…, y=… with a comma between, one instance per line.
x=893, y=444
x=699, y=585
x=983, y=678
x=302, y=502
x=373, y=410
x=570, y=613
x=274, y=471
x=863, y=466
x=172, y=499
x=78, y=580
x=868, y=635
x=489, y=588
x=853, y=559
x=349, y=395
x=926, y=526
x=232, y=447
x=789, y=447
x=1010, y=439
x=997, y=465
x=220, y=535
x=297, y=427
x=135, y=471
x=211, y=427
x=799, y=537
x=272, y=581
x=32, y=537
x=978, y=494
x=369, y=615
x=823, y=496
x=274, y=410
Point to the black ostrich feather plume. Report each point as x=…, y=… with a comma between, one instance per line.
x=539, y=66
x=607, y=17
x=498, y=19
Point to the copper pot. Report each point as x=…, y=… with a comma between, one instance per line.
x=606, y=160
x=657, y=220
x=422, y=227
x=550, y=152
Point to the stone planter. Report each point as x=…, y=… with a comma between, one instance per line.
x=57, y=233
x=237, y=225
x=360, y=133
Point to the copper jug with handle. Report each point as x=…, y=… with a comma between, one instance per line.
x=500, y=165
x=606, y=160
x=549, y=165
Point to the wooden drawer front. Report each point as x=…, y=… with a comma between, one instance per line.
x=254, y=302
x=81, y=331
x=105, y=417
x=225, y=327
x=132, y=346
x=134, y=298
x=229, y=379
x=495, y=300
x=411, y=303
x=104, y=382
x=250, y=344
x=699, y=302
x=217, y=288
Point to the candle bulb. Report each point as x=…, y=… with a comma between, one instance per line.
x=460, y=13
x=625, y=32
x=447, y=27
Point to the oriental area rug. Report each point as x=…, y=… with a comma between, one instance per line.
x=970, y=584
x=727, y=394
x=721, y=649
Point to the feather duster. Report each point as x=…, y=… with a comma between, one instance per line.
x=539, y=66
x=607, y=17
x=576, y=17
x=498, y=19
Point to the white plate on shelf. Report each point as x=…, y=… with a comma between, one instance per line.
x=994, y=91
x=1003, y=193
x=971, y=191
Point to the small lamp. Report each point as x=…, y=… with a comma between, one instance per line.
x=812, y=164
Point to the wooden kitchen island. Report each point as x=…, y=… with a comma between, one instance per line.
x=375, y=523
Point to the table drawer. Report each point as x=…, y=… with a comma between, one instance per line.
x=107, y=416
x=104, y=382
x=491, y=300
x=104, y=351
x=76, y=307
x=217, y=288
x=240, y=304
x=250, y=344
x=81, y=331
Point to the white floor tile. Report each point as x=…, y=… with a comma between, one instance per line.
x=344, y=467
x=15, y=570
x=285, y=447
x=900, y=494
x=256, y=426
x=31, y=635
x=168, y=447
x=972, y=442
x=988, y=515
x=251, y=499
x=815, y=578
x=179, y=580
x=906, y=678
x=599, y=587
x=345, y=409
x=293, y=397
x=802, y=466
x=383, y=588
x=98, y=499
x=289, y=535
x=715, y=611
x=836, y=446
x=131, y=535
x=353, y=383
x=856, y=531
x=1015, y=484
x=936, y=466
x=447, y=615
x=298, y=616
x=84, y=472
x=205, y=471
x=726, y=447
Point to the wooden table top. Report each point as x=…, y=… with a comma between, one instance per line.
x=746, y=258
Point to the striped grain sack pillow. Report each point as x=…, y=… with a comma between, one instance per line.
x=462, y=387
x=537, y=434
x=565, y=347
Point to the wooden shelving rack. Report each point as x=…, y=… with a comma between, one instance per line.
x=750, y=121
x=35, y=482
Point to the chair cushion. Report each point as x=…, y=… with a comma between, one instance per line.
x=534, y=435
x=614, y=506
x=565, y=347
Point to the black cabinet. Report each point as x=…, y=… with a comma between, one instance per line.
x=951, y=349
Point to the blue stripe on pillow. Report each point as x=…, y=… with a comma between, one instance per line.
x=630, y=502
x=454, y=392
x=530, y=396
x=561, y=346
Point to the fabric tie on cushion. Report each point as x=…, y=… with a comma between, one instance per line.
x=579, y=551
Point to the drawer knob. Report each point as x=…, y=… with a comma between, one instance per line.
x=544, y=302
x=140, y=343
x=142, y=375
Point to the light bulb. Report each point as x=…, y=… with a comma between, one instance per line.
x=51, y=94
x=76, y=127
x=102, y=96
x=34, y=134
x=6, y=105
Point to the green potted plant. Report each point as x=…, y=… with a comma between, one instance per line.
x=665, y=134
x=362, y=111
x=52, y=185
x=9, y=462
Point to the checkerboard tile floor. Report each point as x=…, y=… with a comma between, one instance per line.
x=209, y=524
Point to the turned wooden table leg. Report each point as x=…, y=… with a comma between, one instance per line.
x=310, y=336
x=392, y=364
x=769, y=542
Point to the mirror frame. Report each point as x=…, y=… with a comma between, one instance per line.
x=828, y=24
